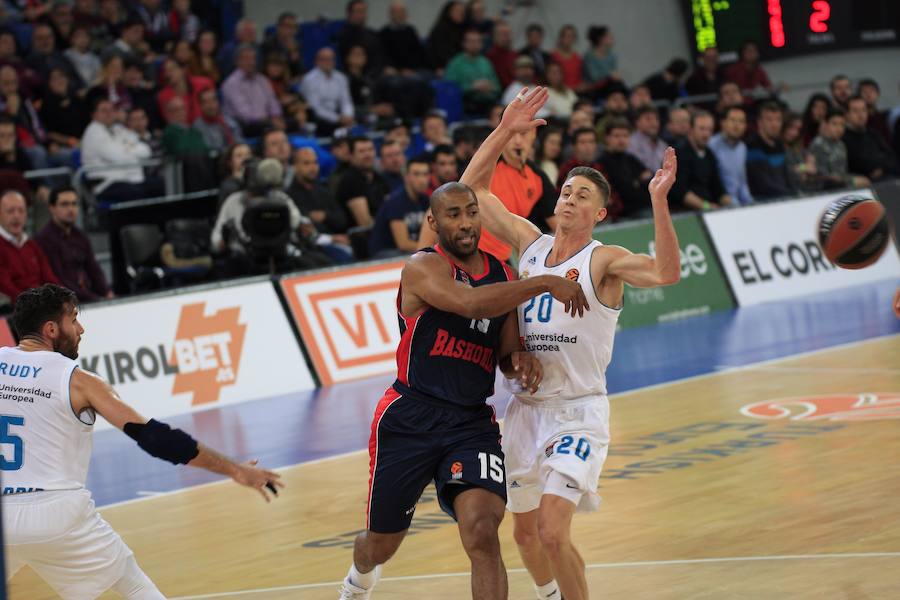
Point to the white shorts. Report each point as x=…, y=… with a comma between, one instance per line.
x=556, y=448
x=62, y=537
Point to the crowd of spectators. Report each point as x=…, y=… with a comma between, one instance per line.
x=359, y=137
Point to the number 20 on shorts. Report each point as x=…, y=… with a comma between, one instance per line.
x=582, y=448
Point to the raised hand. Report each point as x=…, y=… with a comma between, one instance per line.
x=519, y=114
x=664, y=178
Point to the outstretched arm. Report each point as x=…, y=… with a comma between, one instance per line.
x=88, y=391
x=641, y=270
x=426, y=281
x=518, y=117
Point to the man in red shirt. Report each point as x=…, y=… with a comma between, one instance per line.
x=23, y=264
x=501, y=53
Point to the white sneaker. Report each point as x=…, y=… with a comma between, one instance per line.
x=352, y=592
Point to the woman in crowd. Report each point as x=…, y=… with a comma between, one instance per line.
x=179, y=83
x=561, y=97
x=549, y=151
x=204, y=62
x=813, y=115
x=110, y=84
x=564, y=54
x=801, y=164
x=445, y=39
x=600, y=63
x=232, y=170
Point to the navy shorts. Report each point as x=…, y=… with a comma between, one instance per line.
x=415, y=441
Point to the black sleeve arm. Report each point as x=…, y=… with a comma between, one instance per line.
x=159, y=440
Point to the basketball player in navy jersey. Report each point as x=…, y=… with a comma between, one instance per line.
x=433, y=423
x=556, y=438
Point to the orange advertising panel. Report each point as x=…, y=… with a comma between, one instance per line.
x=348, y=319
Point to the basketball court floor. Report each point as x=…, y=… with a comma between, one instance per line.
x=755, y=454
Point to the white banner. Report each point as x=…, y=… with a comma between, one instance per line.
x=177, y=354
x=771, y=251
x=348, y=320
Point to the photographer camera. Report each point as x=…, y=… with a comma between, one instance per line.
x=259, y=228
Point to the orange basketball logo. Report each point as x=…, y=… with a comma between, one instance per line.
x=456, y=470
x=572, y=274
x=838, y=407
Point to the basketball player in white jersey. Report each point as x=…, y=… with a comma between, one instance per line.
x=47, y=409
x=556, y=439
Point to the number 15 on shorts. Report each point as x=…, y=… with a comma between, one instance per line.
x=492, y=465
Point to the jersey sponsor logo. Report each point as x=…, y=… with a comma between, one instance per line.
x=207, y=351
x=514, y=484
x=456, y=470
x=572, y=274
x=8, y=491
x=449, y=346
x=464, y=277
x=532, y=260
x=836, y=407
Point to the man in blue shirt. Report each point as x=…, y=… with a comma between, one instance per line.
x=399, y=220
x=731, y=154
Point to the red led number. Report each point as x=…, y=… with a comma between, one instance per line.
x=821, y=13
x=776, y=25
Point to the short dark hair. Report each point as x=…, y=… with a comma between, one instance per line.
x=868, y=81
x=448, y=189
x=534, y=27
x=835, y=79
x=418, y=160
x=434, y=114
x=442, y=149
x=597, y=33
x=700, y=114
x=835, y=111
x=61, y=189
x=387, y=143
x=285, y=16
x=617, y=123
x=727, y=110
x=770, y=106
x=596, y=178
x=265, y=137
x=351, y=4
x=36, y=306
x=677, y=66
x=644, y=109
x=95, y=103
x=855, y=98
x=356, y=140
x=581, y=131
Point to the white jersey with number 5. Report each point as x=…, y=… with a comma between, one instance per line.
x=43, y=444
x=574, y=351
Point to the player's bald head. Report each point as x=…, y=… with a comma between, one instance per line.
x=452, y=191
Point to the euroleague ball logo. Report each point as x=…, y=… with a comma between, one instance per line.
x=836, y=407
x=456, y=470
x=572, y=274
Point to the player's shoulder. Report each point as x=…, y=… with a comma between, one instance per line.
x=424, y=260
x=604, y=254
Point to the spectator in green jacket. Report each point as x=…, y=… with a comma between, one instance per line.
x=474, y=74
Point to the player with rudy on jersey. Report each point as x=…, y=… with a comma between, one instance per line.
x=556, y=439
x=47, y=411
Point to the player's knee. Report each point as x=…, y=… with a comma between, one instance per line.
x=553, y=537
x=526, y=534
x=479, y=535
x=378, y=548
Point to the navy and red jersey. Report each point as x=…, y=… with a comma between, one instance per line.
x=446, y=356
